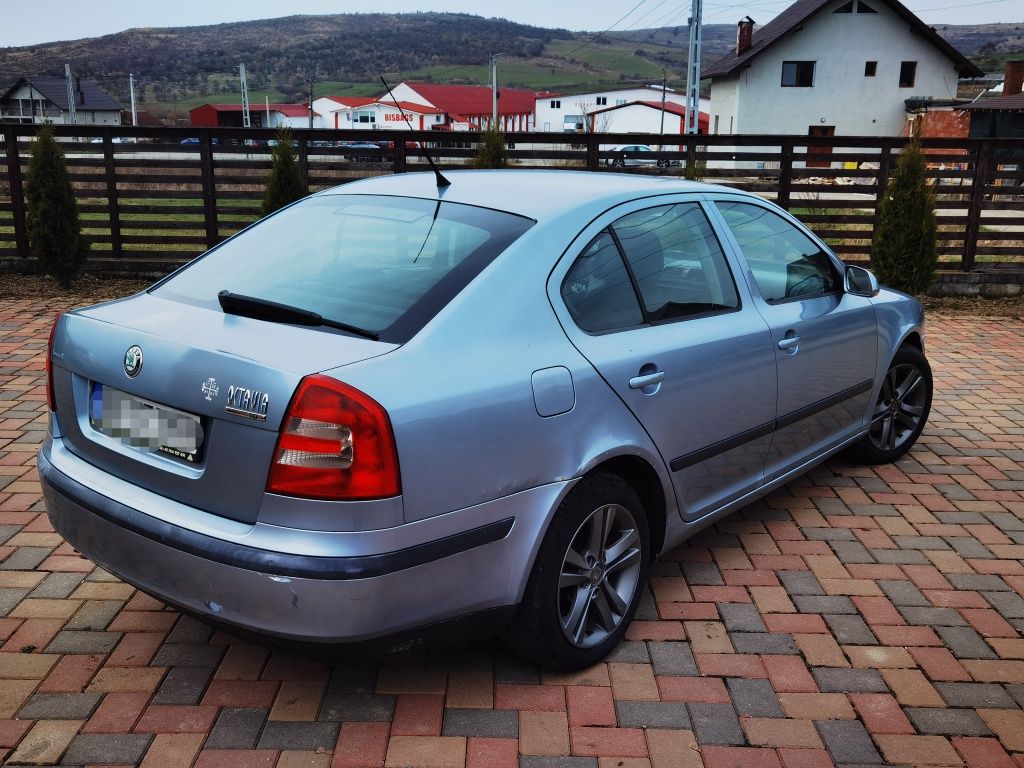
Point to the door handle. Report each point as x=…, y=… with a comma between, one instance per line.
x=647, y=380
x=789, y=342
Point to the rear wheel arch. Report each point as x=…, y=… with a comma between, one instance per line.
x=642, y=477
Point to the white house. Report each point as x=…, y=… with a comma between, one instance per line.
x=643, y=117
x=567, y=112
x=45, y=99
x=331, y=109
x=466, y=107
x=384, y=115
x=832, y=67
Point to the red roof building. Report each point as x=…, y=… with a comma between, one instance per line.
x=470, y=104
x=230, y=115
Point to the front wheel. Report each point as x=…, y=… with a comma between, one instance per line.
x=588, y=577
x=901, y=409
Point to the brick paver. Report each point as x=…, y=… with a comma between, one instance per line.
x=857, y=616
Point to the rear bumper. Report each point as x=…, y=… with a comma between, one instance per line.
x=344, y=588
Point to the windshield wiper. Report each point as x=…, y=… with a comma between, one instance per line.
x=263, y=309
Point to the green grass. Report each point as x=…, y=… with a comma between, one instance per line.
x=618, y=59
x=512, y=74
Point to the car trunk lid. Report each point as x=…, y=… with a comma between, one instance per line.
x=236, y=374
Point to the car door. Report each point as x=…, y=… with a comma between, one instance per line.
x=648, y=297
x=824, y=340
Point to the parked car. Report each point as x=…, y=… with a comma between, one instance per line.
x=397, y=409
x=621, y=160
x=363, y=151
x=195, y=140
x=113, y=140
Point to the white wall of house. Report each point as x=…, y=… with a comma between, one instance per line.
x=561, y=113
x=279, y=120
x=636, y=118
x=383, y=116
x=754, y=101
x=402, y=92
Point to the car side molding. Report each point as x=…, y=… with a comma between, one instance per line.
x=710, y=451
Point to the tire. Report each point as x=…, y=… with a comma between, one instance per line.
x=569, y=626
x=618, y=163
x=897, y=423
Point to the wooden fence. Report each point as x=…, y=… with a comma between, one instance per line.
x=153, y=198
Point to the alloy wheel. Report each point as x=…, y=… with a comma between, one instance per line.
x=600, y=575
x=900, y=407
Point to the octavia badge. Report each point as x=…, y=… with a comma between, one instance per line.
x=133, y=361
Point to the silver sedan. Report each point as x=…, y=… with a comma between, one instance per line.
x=398, y=410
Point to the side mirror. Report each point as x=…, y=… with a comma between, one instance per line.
x=860, y=281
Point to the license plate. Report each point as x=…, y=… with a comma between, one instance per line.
x=145, y=425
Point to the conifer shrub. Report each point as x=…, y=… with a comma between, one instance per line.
x=285, y=184
x=492, y=151
x=903, y=249
x=54, y=229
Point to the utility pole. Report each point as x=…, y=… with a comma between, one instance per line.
x=131, y=91
x=72, y=118
x=246, y=118
x=494, y=90
x=310, y=83
x=693, y=69
x=664, y=87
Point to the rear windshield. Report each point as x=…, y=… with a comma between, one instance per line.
x=384, y=264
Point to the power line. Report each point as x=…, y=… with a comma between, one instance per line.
x=599, y=35
x=961, y=5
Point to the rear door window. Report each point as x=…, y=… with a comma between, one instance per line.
x=677, y=263
x=385, y=264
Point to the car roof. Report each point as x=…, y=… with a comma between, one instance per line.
x=538, y=194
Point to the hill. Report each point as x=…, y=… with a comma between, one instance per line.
x=345, y=53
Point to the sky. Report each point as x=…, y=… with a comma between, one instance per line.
x=37, y=21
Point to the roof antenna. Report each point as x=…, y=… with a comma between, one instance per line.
x=442, y=182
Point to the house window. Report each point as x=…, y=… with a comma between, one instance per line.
x=556, y=104
x=601, y=101
x=364, y=116
x=797, y=74
x=863, y=7
x=716, y=125
x=908, y=72
x=846, y=8
x=870, y=67
x=619, y=102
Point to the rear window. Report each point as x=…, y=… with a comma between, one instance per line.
x=384, y=264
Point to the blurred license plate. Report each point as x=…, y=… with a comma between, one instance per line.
x=144, y=425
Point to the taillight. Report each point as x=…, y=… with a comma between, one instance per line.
x=335, y=443
x=51, y=398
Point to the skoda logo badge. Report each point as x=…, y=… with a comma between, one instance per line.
x=133, y=361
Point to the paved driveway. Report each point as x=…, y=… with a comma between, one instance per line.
x=859, y=616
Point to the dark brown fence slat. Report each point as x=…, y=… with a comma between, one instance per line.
x=165, y=201
x=14, y=183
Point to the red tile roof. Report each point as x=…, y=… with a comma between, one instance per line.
x=473, y=100
x=409, y=106
x=352, y=101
